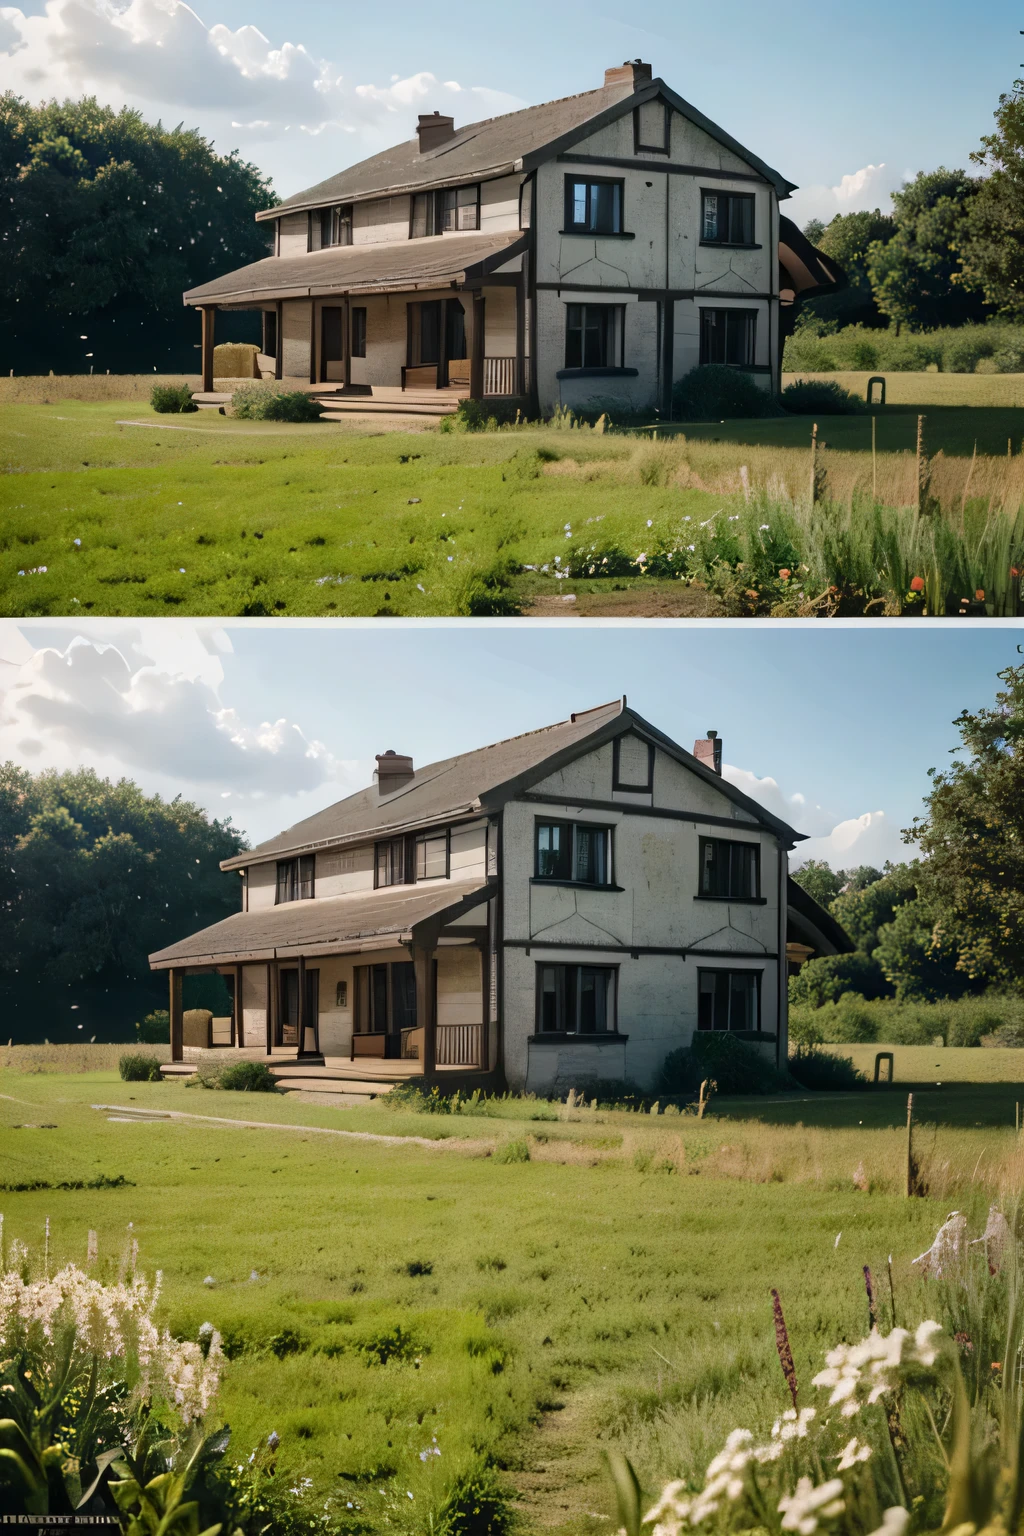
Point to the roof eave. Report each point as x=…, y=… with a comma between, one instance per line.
x=469, y=810
x=303, y=202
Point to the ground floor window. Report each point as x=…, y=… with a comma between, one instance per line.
x=594, y=335
x=729, y=1000
x=385, y=1003
x=728, y=336
x=575, y=999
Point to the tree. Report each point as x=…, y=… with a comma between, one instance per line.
x=814, y=229
x=97, y=877
x=991, y=238
x=917, y=275
x=864, y=906
x=972, y=835
x=848, y=239
x=820, y=881
x=918, y=954
x=110, y=219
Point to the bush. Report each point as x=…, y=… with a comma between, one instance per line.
x=736, y=1067
x=821, y=1071
x=476, y=1504
x=136, y=1067
x=964, y=352
x=511, y=1152
x=247, y=1077
x=254, y=402
x=717, y=393
x=1009, y=1034
x=155, y=1028
x=172, y=399
x=820, y=397
x=827, y=978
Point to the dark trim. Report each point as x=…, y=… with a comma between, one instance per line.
x=612, y=1033
x=493, y=280
x=521, y=333
x=597, y=234
x=699, y=818
x=737, y=901
x=575, y=885
x=530, y=261
x=667, y=168
x=279, y=359
x=559, y=1037
x=598, y=373
x=309, y=230
x=570, y=181
x=633, y=789
x=654, y=295
x=668, y=353
x=635, y=951
x=496, y=259
x=312, y=340
x=731, y=245
x=724, y=970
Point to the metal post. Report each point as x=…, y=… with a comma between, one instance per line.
x=270, y=1008
x=302, y=1005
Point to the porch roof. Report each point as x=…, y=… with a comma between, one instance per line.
x=324, y=926
x=434, y=262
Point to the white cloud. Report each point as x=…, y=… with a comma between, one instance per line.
x=870, y=187
x=151, y=707
x=159, y=56
x=870, y=838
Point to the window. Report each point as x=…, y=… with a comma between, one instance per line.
x=390, y=863
x=336, y=226
x=424, y=334
x=593, y=207
x=432, y=857
x=426, y=215
x=385, y=1000
x=295, y=879
x=460, y=208
x=359, y=332
x=729, y=1000
x=651, y=128
x=728, y=336
x=729, y=871
x=728, y=218
x=270, y=332
x=593, y=335
x=575, y=999
x=570, y=853
x=632, y=764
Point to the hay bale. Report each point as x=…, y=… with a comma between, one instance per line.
x=235, y=360
x=197, y=1027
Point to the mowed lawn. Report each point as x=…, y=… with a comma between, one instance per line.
x=614, y=1289
x=107, y=508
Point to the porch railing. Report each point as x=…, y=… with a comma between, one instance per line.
x=460, y=1045
x=500, y=376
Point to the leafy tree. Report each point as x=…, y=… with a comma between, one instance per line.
x=830, y=977
x=97, y=876
x=971, y=881
x=110, y=219
x=865, y=906
x=848, y=239
x=917, y=276
x=821, y=882
x=919, y=954
x=814, y=229
x=991, y=238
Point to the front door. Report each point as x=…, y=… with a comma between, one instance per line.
x=403, y=1005
x=332, y=346
x=288, y=1012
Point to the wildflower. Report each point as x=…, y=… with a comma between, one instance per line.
x=568, y=527
x=853, y=1452
x=802, y=1510
x=764, y=528
x=691, y=547
x=917, y=585
x=641, y=560
x=451, y=559
x=558, y=559
x=181, y=570
x=793, y=1425
x=650, y=522
x=926, y=1353
x=785, y=574
x=77, y=542
x=894, y=1522
x=420, y=587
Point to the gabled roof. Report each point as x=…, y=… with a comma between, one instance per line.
x=363, y=269
x=500, y=145
x=480, y=782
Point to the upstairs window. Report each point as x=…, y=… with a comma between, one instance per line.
x=728, y=218
x=571, y=854
x=432, y=857
x=390, y=863
x=728, y=336
x=729, y=871
x=593, y=207
x=575, y=999
x=426, y=216
x=336, y=225
x=594, y=335
x=296, y=879
x=729, y=1000
x=460, y=208
x=651, y=128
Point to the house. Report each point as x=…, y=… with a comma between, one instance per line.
x=586, y=252
x=562, y=908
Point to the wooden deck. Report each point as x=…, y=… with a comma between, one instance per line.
x=368, y=1077
x=338, y=402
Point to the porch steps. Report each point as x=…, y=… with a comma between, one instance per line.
x=390, y=402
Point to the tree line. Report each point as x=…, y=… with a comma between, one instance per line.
x=950, y=923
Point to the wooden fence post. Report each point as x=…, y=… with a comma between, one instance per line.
x=922, y=470
x=911, y=1172
x=814, y=464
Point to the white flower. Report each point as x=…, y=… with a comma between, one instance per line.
x=853, y=1452
x=925, y=1351
x=764, y=528
x=894, y=1522
x=802, y=1510
x=793, y=1425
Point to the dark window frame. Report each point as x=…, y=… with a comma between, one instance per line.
x=269, y=333
x=393, y=845
x=296, y=879
x=611, y=1001
x=718, y=971
x=639, y=147
x=571, y=227
x=433, y=217
x=749, y=199
x=731, y=842
x=613, y=339
x=455, y=193
x=432, y=837
x=575, y=826
x=749, y=315
x=339, y=221
x=617, y=780
x=359, y=330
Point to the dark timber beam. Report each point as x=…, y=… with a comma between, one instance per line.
x=424, y=944
x=476, y=373
x=176, y=1010
x=209, y=312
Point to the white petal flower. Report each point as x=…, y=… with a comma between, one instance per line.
x=924, y=1349
x=894, y=1522
x=853, y=1453
x=802, y=1510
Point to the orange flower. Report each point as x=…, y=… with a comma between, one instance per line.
x=917, y=585
x=1014, y=571
x=785, y=575
x=979, y=596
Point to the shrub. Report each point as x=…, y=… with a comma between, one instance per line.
x=247, y=1077
x=511, y=1152
x=735, y=1066
x=825, y=979
x=1010, y=358
x=1009, y=1034
x=137, y=1067
x=254, y=402
x=819, y=1070
x=820, y=397
x=155, y=1028
x=172, y=399
x=476, y=1504
x=847, y=1022
x=716, y=393
x=963, y=352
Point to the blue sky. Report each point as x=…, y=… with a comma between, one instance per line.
x=822, y=91
x=833, y=727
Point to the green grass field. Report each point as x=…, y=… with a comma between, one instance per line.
x=611, y=1290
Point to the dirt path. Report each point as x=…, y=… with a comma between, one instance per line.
x=678, y=603
x=562, y=1485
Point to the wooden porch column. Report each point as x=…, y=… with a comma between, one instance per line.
x=521, y=335
x=238, y=1022
x=279, y=354
x=270, y=1007
x=668, y=339
x=302, y=1005
x=208, y=312
x=176, y=1011
x=424, y=943
x=346, y=343
x=476, y=372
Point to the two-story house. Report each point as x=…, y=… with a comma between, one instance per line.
x=557, y=909
x=589, y=251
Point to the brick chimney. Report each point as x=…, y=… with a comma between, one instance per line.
x=393, y=772
x=433, y=129
x=633, y=73
x=709, y=752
